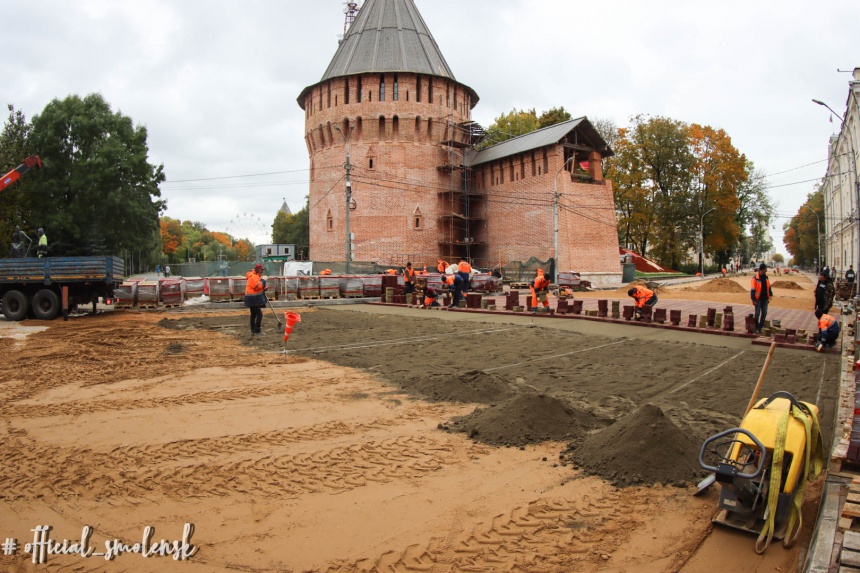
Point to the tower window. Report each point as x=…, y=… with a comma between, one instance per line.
x=418, y=89
x=358, y=91
x=329, y=222
x=345, y=91
x=381, y=88
x=395, y=91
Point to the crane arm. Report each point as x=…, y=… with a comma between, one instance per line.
x=29, y=163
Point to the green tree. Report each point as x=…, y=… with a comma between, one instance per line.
x=754, y=215
x=553, y=116
x=778, y=258
x=96, y=187
x=510, y=125
x=293, y=229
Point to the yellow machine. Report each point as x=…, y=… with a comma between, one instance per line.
x=763, y=466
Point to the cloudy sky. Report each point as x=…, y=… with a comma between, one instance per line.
x=215, y=82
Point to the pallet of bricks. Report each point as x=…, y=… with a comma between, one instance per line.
x=237, y=288
x=171, y=292
x=329, y=287
x=126, y=293
x=148, y=293
x=217, y=288
x=849, y=524
x=350, y=286
x=309, y=288
x=289, y=288
x=194, y=287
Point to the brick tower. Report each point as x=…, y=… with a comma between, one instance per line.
x=390, y=99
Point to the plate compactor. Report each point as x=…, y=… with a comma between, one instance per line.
x=763, y=466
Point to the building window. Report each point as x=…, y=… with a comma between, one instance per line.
x=370, y=163
x=345, y=91
x=381, y=127
x=329, y=222
x=418, y=89
x=545, y=162
x=417, y=220
x=381, y=88
x=395, y=127
x=430, y=90
x=358, y=91
x=328, y=94
x=395, y=91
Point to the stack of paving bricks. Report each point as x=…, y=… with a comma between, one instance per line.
x=849, y=555
x=372, y=286
x=309, y=287
x=276, y=288
x=290, y=289
x=485, y=283
x=171, y=292
x=329, y=287
x=237, y=288
x=193, y=287
x=351, y=286
x=126, y=294
x=434, y=281
x=148, y=293
x=217, y=288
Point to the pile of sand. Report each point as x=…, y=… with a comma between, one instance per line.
x=526, y=419
x=471, y=386
x=722, y=285
x=645, y=447
x=791, y=285
x=628, y=286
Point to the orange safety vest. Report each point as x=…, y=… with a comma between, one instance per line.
x=441, y=266
x=641, y=296
x=540, y=282
x=254, y=284
x=408, y=275
x=464, y=267
x=825, y=321
x=755, y=286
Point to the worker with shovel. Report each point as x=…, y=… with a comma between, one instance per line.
x=255, y=297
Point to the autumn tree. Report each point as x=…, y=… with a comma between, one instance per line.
x=172, y=236
x=801, y=237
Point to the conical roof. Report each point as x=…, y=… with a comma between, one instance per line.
x=388, y=36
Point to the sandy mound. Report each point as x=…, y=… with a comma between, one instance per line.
x=791, y=285
x=645, y=447
x=525, y=419
x=628, y=286
x=472, y=386
x=722, y=285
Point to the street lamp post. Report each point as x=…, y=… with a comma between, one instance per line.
x=348, y=194
x=555, y=217
x=702, y=241
x=856, y=182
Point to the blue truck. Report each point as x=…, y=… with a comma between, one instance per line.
x=34, y=286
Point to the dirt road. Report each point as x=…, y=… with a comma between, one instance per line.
x=387, y=440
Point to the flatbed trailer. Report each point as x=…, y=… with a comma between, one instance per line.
x=34, y=286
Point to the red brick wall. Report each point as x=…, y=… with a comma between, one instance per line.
x=395, y=179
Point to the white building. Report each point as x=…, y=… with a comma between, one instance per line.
x=840, y=187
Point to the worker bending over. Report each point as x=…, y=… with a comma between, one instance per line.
x=455, y=286
x=538, y=288
x=828, y=331
x=464, y=269
x=642, y=297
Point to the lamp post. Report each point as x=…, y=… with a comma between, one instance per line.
x=856, y=182
x=348, y=194
x=702, y=241
x=555, y=218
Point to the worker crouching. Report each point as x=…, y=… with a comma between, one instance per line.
x=455, y=287
x=642, y=297
x=430, y=297
x=828, y=331
x=539, y=287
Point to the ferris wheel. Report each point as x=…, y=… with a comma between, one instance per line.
x=250, y=227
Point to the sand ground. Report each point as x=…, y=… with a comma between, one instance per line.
x=387, y=440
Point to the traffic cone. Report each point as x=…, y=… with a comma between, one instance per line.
x=292, y=319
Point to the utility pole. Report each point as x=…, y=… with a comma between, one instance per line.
x=555, y=219
x=702, y=241
x=348, y=166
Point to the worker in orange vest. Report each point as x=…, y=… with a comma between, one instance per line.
x=464, y=269
x=441, y=266
x=255, y=297
x=455, y=286
x=828, y=331
x=430, y=296
x=760, y=294
x=642, y=297
x=538, y=288
x=409, y=278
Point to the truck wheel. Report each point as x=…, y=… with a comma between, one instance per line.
x=46, y=304
x=14, y=305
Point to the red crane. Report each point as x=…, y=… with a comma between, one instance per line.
x=15, y=174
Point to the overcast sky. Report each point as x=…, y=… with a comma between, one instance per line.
x=215, y=82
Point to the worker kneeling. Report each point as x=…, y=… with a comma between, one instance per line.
x=828, y=331
x=430, y=296
x=539, y=287
x=642, y=297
